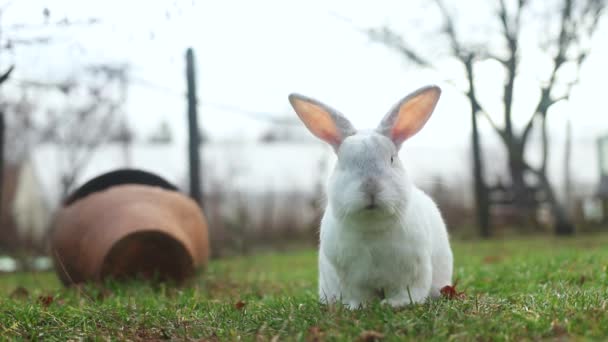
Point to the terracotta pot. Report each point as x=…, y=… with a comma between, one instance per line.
x=127, y=223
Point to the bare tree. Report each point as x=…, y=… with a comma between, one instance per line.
x=568, y=197
x=577, y=22
x=80, y=129
x=86, y=114
x=3, y=79
x=10, y=39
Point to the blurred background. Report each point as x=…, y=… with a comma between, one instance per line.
x=517, y=145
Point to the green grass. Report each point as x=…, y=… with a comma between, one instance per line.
x=534, y=288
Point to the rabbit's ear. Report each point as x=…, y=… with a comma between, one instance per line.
x=324, y=122
x=410, y=114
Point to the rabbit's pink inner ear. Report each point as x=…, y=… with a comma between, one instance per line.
x=413, y=113
x=318, y=121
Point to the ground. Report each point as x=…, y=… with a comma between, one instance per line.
x=531, y=288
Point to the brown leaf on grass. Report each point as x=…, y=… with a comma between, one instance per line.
x=491, y=259
x=370, y=336
x=45, y=300
x=450, y=292
x=582, y=280
x=314, y=334
x=332, y=308
x=20, y=293
x=93, y=292
x=240, y=305
x=103, y=294
x=260, y=338
x=212, y=338
x=558, y=329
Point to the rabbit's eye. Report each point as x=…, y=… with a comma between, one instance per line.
x=392, y=159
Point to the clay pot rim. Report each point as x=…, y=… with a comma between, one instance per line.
x=117, y=177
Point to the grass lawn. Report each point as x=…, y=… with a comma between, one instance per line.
x=533, y=288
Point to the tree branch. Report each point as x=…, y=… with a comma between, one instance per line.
x=544, y=145
x=563, y=44
x=490, y=56
x=393, y=40
x=467, y=59
x=450, y=31
x=471, y=94
x=510, y=33
x=389, y=38
x=6, y=74
x=492, y=123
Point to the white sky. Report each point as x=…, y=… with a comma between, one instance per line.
x=252, y=54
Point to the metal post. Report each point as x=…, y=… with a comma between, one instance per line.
x=193, y=131
x=3, y=78
x=482, y=201
x=602, y=192
x=1, y=163
x=481, y=192
x=569, y=199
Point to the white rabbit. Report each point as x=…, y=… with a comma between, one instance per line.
x=381, y=236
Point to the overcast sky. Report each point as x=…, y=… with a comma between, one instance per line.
x=252, y=54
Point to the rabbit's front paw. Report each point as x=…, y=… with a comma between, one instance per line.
x=396, y=302
x=354, y=305
x=404, y=298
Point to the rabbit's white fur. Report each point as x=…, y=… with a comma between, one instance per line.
x=380, y=234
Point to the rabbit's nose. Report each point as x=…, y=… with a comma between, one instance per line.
x=370, y=187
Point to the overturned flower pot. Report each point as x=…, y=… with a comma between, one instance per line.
x=128, y=223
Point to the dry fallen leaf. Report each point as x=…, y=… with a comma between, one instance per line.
x=103, y=294
x=450, y=292
x=240, y=305
x=582, y=280
x=314, y=334
x=370, y=336
x=212, y=338
x=491, y=259
x=46, y=300
x=558, y=329
x=20, y=293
